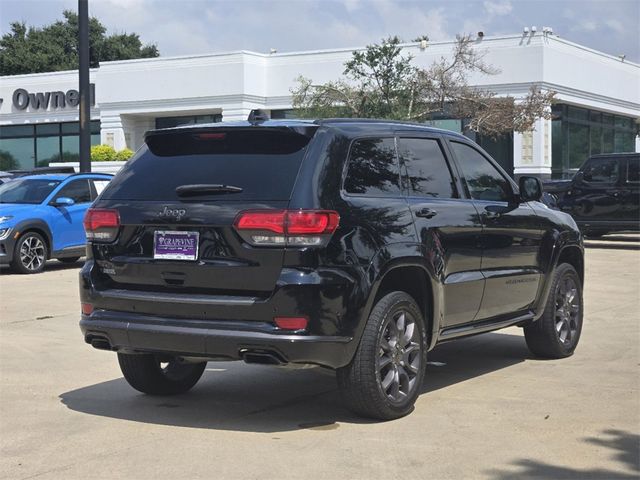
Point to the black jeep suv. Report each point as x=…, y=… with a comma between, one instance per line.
x=603, y=196
x=350, y=244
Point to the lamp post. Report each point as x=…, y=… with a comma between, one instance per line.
x=85, y=100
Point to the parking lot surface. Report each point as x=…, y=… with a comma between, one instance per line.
x=488, y=410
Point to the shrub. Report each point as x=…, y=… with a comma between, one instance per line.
x=102, y=153
x=123, y=155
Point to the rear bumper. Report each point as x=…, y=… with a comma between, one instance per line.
x=210, y=339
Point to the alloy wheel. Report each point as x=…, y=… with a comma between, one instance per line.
x=567, y=310
x=399, y=357
x=32, y=253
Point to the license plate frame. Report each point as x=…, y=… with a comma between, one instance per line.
x=176, y=245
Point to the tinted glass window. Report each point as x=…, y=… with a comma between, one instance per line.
x=16, y=130
x=48, y=129
x=26, y=191
x=373, y=168
x=426, y=168
x=71, y=127
x=601, y=171
x=77, y=190
x=263, y=162
x=633, y=170
x=484, y=181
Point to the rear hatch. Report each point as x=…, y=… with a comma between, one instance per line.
x=177, y=200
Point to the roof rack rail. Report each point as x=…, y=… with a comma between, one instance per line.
x=258, y=115
x=75, y=174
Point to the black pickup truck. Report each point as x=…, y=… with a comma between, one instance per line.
x=603, y=196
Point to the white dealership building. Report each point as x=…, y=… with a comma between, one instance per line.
x=598, y=99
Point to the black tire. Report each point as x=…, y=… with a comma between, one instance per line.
x=557, y=332
x=30, y=253
x=145, y=373
x=361, y=383
x=69, y=259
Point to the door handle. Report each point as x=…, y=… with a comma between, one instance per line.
x=426, y=213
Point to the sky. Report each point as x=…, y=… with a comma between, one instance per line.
x=183, y=27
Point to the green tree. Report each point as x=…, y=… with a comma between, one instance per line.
x=55, y=47
x=382, y=82
x=7, y=161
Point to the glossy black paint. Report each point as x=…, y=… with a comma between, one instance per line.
x=602, y=204
x=472, y=265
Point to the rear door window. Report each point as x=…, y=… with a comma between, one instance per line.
x=373, y=168
x=263, y=162
x=425, y=168
x=76, y=190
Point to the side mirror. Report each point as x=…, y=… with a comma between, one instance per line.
x=530, y=189
x=579, y=177
x=63, y=202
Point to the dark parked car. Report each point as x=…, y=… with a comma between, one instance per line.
x=350, y=244
x=604, y=196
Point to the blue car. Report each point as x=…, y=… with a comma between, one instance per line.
x=41, y=218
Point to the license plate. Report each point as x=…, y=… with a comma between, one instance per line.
x=172, y=245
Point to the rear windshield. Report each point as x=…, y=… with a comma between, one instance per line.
x=262, y=162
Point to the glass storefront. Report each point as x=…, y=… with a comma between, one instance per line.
x=578, y=133
x=169, y=122
x=29, y=146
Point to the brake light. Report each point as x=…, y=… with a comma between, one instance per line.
x=210, y=136
x=101, y=224
x=311, y=222
x=298, y=228
x=270, y=221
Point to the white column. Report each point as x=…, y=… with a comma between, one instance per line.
x=532, y=150
x=637, y=143
x=112, y=130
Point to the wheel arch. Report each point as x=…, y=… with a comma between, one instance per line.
x=560, y=249
x=413, y=280
x=573, y=255
x=411, y=275
x=37, y=226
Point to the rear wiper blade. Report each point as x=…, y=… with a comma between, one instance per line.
x=206, y=189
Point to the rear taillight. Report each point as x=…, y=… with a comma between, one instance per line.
x=101, y=224
x=297, y=228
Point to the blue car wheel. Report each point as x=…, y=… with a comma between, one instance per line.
x=30, y=253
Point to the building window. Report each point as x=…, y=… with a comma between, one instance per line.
x=170, y=122
x=37, y=145
x=578, y=133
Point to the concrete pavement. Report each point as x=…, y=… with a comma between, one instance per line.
x=489, y=410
